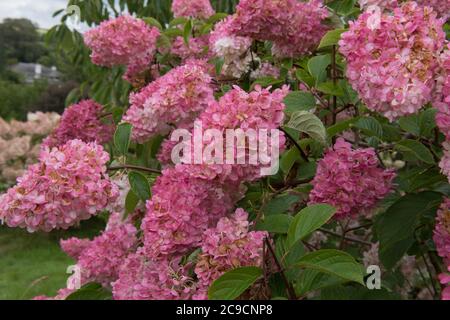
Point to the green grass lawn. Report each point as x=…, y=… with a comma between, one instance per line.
x=33, y=264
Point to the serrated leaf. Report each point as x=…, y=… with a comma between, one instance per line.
x=395, y=227
x=309, y=220
x=317, y=67
x=331, y=38
x=311, y=280
x=299, y=101
x=334, y=262
x=308, y=123
x=280, y=204
x=140, y=185
x=233, y=283
x=417, y=149
x=153, y=22
x=122, y=137
x=370, y=126
x=277, y=223
x=90, y=291
x=330, y=88
x=131, y=202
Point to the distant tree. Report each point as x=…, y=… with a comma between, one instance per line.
x=19, y=39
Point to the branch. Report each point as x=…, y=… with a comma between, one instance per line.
x=290, y=289
x=346, y=238
x=128, y=166
x=302, y=153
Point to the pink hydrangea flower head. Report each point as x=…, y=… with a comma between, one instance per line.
x=350, y=180
x=200, y=9
x=227, y=246
x=123, y=41
x=181, y=209
x=101, y=259
x=82, y=121
x=444, y=279
x=442, y=7
x=233, y=49
x=294, y=27
x=249, y=112
x=73, y=247
x=441, y=235
x=383, y=4
x=69, y=184
x=445, y=161
x=442, y=95
x=171, y=100
x=393, y=58
x=197, y=48
x=143, y=278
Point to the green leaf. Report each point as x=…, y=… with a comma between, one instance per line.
x=395, y=227
x=309, y=220
x=288, y=159
x=299, y=101
x=153, y=22
x=90, y=291
x=308, y=123
x=217, y=17
x=187, y=32
x=370, y=126
x=233, y=283
x=417, y=149
x=410, y=124
x=131, y=202
x=140, y=186
x=311, y=280
x=334, y=262
x=280, y=204
x=341, y=127
x=427, y=121
x=317, y=67
x=330, y=88
x=277, y=223
x=331, y=38
x=122, y=137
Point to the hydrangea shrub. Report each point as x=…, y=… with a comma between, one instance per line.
x=356, y=102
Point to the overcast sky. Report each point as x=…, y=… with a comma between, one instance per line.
x=39, y=11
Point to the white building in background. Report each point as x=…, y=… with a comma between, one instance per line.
x=36, y=71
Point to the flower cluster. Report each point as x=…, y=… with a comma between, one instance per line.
x=200, y=9
x=350, y=180
x=234, y=50
x=393, y=59
x=181, y=209
x=69, y=184
x=442, y=7
x=227, y=246
x=123, y=41
x=294, y=27
x=237, y=109
x=383, y=4
x=143, y=278
x=171, y=100
x=442, y=99
x=82, y=121
x=20, y=143
x=100, y=259
x=445, y=161
x=196, y=48
x=441, y=237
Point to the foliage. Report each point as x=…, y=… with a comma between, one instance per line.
x=307, y=231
